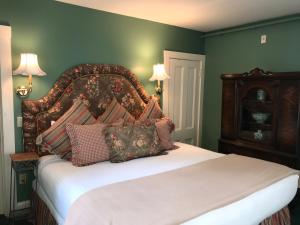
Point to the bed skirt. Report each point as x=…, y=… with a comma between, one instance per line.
x=41, y=211
x=43, y=215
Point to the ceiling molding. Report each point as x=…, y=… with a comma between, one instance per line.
x=200, y=15
x=253, y=25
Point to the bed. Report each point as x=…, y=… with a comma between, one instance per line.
x=60, y=184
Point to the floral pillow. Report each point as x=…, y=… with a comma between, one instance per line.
x=132, y=141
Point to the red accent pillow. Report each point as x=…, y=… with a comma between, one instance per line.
x=164, y=128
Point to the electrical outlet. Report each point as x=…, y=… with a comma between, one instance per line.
x=23, y=178
x=19, y=121
x=263, y=39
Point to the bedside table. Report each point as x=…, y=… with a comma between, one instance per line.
x=20, y=163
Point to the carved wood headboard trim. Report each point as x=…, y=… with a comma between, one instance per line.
x=31, y=108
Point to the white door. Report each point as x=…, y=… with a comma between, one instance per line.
x=7, y=134
x=2, y=169
x=182, y=99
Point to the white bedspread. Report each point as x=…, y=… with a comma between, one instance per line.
x=60, y=184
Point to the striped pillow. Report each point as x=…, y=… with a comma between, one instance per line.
x=115, y=112
x=55, y=139
x=151, y=111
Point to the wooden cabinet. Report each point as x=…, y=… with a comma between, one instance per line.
x=260, y=116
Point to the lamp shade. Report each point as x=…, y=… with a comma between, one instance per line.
x=29, y=66
x=159, y=73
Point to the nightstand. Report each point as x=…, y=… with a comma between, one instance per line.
x=20, y=163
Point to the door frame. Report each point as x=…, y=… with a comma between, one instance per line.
x=7, y=142
x=168, y=55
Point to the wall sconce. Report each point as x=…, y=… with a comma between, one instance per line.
x=159, y=74
x=28, y=66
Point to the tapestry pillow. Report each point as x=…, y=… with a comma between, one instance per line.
x=132, y=141
x=88, y=143
x=114, y=112
x=55, y=140
x=151, y=111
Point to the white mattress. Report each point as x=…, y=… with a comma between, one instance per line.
x=60, y=184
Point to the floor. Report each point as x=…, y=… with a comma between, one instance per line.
x=5, y=221
x=294, y=209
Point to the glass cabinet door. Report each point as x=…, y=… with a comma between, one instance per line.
x=256, y=116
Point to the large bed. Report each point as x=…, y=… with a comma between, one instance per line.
x=60, y=184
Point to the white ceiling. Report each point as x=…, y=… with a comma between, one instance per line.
x=201, y=15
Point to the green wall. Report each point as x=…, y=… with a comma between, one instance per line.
x=64, y=35
x=240, y=52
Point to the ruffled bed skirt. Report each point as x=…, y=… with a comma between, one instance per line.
x=44, y=217
x=41, y=211
x=280, y=218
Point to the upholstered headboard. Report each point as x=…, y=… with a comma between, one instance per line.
x=94, y=84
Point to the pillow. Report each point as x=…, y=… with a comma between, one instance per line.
x=132, y=141
x=114, y=112
x=86, y=150
x=55, y=139
x=118, y=123
x=164, y=128
x=151, y=111
x=88, y=143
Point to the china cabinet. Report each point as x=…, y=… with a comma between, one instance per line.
x=260, y=116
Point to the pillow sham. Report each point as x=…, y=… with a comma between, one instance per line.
x=88, y=143
x=132, y=141
x=114, y=112
x=55, y=140
x=151, y=111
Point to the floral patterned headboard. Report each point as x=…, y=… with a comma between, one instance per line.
x=94, y=84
